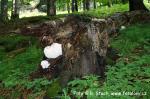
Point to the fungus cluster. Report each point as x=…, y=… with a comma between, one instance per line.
x=51, y=52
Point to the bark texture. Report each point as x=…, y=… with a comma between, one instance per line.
x=15, y=9
x=4, y=10
x=87, y=4
x=51, y=7
x=74, y=5
x=94, y=4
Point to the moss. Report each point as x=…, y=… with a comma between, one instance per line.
x=24, y=60
x=13, y=41
x=53, y=89
x=132, y=37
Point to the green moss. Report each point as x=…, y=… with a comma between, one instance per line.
x=131, y=72
x=13, y=41
x=53, y=89
x=25, y=61
x=131, y=38
x=105, y=11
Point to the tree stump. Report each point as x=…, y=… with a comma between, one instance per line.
x=84, y=45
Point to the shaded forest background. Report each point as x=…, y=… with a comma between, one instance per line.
x=13, y=9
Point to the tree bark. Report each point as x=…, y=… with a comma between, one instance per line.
x=68, y=6
x=137, y=5
x=109, y=3
x=84, y=5
x=51, y=8
x=4, y=10
x=15, y=10
x=84, y=48
x=94, y=4
x=74, y=6
x=87, y=3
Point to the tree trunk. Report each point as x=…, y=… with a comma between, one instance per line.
x=137, y=5
x=94, y=4
x=84, y=48
x=15, y=10
x=51, y=8
x=124, y=1
x=84, y=5
x=68, y=6
x=74, y=6
x=109, y=3
x=87, y=3
x=4, y=10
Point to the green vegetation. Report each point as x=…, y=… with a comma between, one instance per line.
x=131, y=73
x=102, y=9
x=88, y=85
x=105, y=11
x=100, y=12
x=19, y=56
x=131, y=38
x=18, y=52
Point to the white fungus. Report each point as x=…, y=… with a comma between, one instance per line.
x=53, y=51
x=45, y=64
x=123, y=27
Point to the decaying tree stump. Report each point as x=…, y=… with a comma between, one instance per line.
x=84, y=47
x=84, y=43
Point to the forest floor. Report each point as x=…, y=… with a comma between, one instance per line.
x=130, y=72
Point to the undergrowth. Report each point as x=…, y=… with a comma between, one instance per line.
x=103, y=12
x=129, y=78
x=20, y=55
